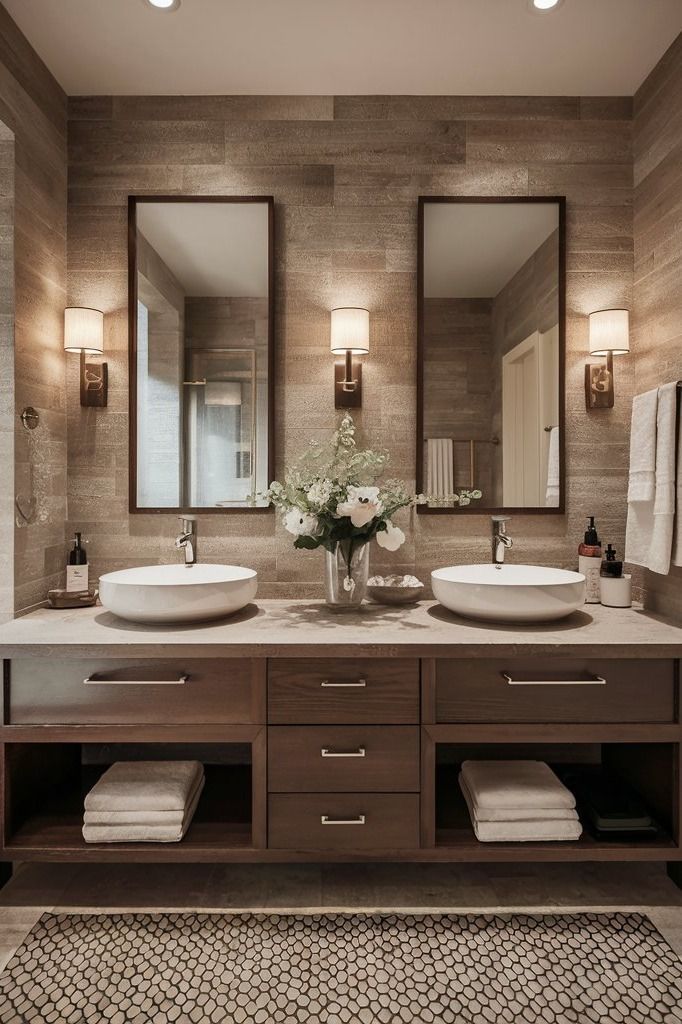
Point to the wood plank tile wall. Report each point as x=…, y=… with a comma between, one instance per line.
x=657, y=319
x=33, y=113
x=346, y=173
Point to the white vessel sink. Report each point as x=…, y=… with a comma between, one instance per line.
x=509, y=593
x=177, y=593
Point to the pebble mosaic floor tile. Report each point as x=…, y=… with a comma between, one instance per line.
x=342, y=969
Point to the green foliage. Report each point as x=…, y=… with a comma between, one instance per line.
x=335, y=474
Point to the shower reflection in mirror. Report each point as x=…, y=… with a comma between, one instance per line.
x=202, y=354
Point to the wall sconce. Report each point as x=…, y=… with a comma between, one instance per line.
x=349, y=337
x=84, y=333
x=609, y=336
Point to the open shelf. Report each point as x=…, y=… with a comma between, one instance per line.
x=454, y=832
x=46, y=822
x=649, y=768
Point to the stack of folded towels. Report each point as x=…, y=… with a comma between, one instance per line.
x=518, y=801
x=143, y=802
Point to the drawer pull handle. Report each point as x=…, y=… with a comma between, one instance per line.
x=94, y=681
x=592, y=681
x=326, y=752
x=327, y=819
x=357, y=685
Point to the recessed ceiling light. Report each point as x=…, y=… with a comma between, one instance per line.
x=164, y=5
x=545, y=5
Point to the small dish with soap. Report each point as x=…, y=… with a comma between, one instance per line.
x=395, y=589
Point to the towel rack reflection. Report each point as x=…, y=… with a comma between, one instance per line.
x=472, y=442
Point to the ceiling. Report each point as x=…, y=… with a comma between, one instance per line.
x=471, y=250
x=217, y=249
x=352, y=47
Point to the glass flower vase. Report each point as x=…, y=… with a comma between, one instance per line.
x=346, y=569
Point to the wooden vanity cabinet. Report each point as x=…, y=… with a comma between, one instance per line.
x=332, y=758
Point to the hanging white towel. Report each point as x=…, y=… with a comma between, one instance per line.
x=553, y=470
x=642, y=477
x=649, y=532
x=439, y=467
x=677, y=539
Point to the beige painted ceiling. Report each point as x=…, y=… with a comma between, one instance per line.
x=471, y=250
x=211, y=248
x=325, y=47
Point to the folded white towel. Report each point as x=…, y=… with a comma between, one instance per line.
x=143, y=833
x=553, y=470
x=147, y=817
x=516, y=814
x=526, y=785
x=144, y=786
x=649, y=531
x=531, y=831
x=642, y=477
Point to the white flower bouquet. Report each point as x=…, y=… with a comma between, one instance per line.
x=332, y=498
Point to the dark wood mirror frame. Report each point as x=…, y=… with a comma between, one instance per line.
x=559, y=509
x=133, y=202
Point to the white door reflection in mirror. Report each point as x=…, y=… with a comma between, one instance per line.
x=530, y=411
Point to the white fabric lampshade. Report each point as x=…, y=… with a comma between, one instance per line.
x=83, y=330
x=350, y=330
x=609, y=332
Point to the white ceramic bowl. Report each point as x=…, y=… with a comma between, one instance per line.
x=509, y=593
x=177, y=593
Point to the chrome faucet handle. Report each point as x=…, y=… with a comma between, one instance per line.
x=188, y=538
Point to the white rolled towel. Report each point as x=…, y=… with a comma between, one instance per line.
x=145, y=786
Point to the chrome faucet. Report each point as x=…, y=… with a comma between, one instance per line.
x=188, y=539
x=500, y=538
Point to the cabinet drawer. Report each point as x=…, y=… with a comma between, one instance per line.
x=343, y=691
x=346, y=758
x=121, y=691
x=555, y=690
x=343, y=821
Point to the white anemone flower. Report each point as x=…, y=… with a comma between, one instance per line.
x=301, y=524
x=361, y=505
x=391, y=538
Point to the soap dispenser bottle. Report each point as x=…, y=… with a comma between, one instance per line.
x=77, y=568
x=611, y=566
x=589, y=562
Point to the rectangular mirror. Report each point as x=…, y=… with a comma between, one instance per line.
x=490, y=404
x=201, y=352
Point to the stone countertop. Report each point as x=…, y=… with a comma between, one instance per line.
x=276, y=628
